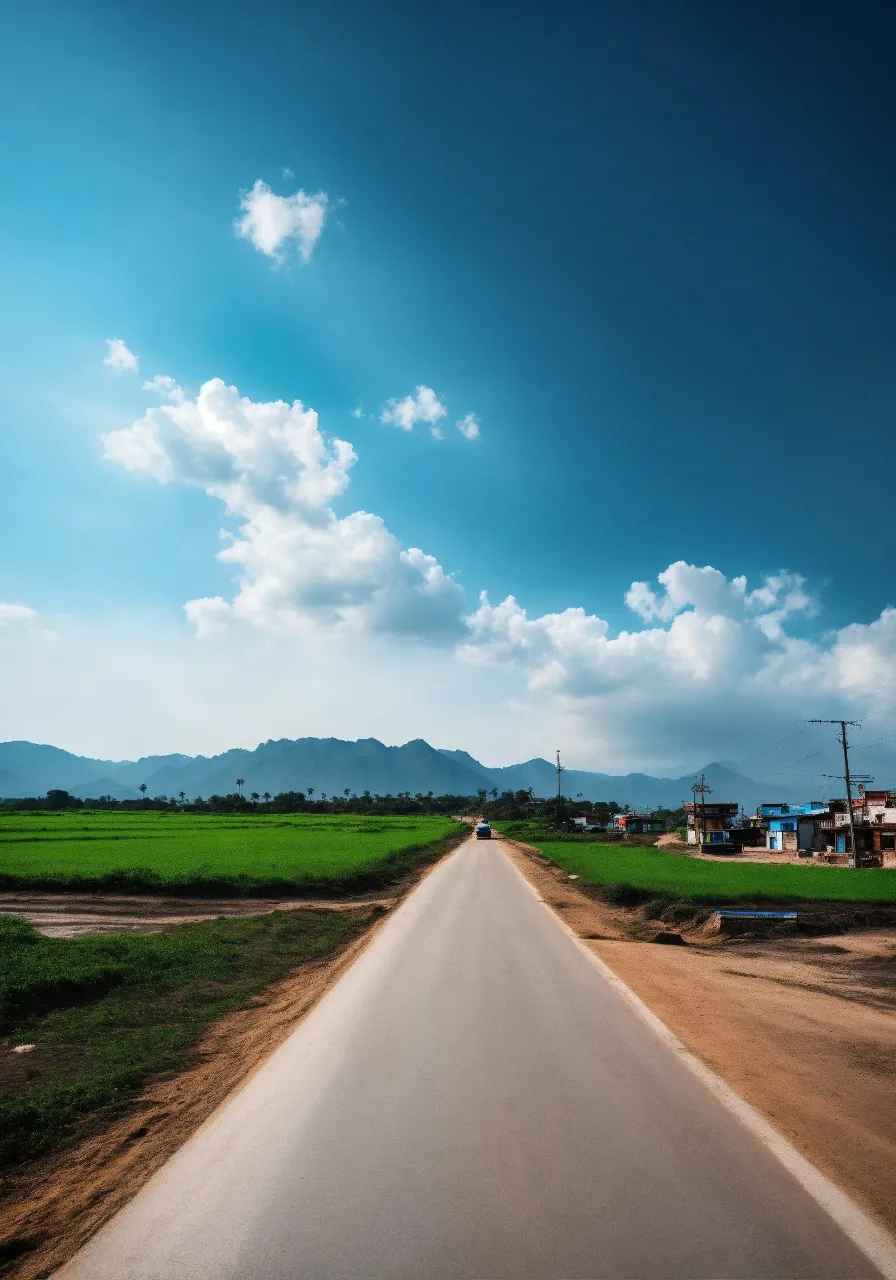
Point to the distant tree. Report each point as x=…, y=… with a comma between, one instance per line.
x=310, y=793
x=142, y=789
x=239, y=785
x=347, y=792
x=267, y=797
x=494, y=793
x=198, y=800
x=183, y=796
x=57, y=799
x=255, y=796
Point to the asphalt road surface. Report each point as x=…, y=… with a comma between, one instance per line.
x=472, y=1099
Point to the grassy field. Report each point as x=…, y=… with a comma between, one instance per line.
x=107, y=1013
x=189, y=853
x=646, y=872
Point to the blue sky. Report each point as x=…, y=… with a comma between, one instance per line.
x=650, y=251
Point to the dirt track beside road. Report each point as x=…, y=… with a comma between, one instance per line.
x=71, y=915
x=802, y=1028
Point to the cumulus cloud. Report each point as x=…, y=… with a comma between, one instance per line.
x=12, y=613
x=714, y=666
x=270, y=222
x=468, y=426
x=710, y=662
x=423, y=406
x=164, y=385
x=296, y=561
x=119, y=358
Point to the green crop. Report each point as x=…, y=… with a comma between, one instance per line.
x=189, y=853
x=651, y=872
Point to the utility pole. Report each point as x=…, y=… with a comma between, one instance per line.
x=700, y=788
x=846, y=778
x=560, y=771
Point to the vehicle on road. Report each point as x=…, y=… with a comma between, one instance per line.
x=483, y=831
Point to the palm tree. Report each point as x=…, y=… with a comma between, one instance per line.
x=239, y=785
x=182, y=796
x=142, y=789
x=311, y=793
x=255, y=797
x=267, y=797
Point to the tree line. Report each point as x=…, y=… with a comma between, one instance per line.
x=490, y=804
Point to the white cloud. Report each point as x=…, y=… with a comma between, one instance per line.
x=270, y=222
x=164, y=385
x=297, y=563
x=119, y=357
x=468, y=426
x=711, y=664
x=11, y=613
x=716, y=668
x=423, y=406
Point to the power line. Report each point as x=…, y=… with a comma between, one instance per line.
x=813, y=752
x=768, y=751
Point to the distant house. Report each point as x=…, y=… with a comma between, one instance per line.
x=585, y=822
x=792, y=827
x=711, y=823
x=824, y=829
x=638, y=824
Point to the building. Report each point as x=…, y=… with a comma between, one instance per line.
x=712, y=823
x=585, y=822
x=792, y=828
x=637, y=824
x=823, y=830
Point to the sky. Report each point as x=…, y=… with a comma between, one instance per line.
x=321, y=321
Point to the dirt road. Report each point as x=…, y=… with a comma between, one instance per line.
x=473, y=1098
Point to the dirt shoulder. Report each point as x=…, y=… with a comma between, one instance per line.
x=802, y=1028
x=50, y=1207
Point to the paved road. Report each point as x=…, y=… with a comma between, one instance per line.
x=473, y=1099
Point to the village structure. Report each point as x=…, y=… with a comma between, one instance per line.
x=815, y=829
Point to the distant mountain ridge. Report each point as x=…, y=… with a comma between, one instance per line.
x=333, y=765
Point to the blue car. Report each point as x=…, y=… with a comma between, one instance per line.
x=483, y=831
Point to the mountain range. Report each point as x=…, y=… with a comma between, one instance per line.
x=331, y=765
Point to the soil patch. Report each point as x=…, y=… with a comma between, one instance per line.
x=800, y=1027
x=72, y=915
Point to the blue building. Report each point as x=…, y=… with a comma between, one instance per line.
x=791, y=827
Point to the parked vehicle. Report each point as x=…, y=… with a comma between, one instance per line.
x=483, y=831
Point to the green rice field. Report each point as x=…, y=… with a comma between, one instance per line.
x=652, y=871
x=107, y=1014
x=206, y=853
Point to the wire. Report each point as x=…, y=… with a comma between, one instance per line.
x=812, y=753
x=768, y=751
x=861, y=746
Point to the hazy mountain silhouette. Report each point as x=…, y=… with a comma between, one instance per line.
x=330, y=765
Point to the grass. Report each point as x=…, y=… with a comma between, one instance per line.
x=211, y=854
x=638, y=873
x=109, y=1012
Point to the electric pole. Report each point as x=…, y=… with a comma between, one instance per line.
x=700, y=788
x=560, y=771
x=846, y=778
